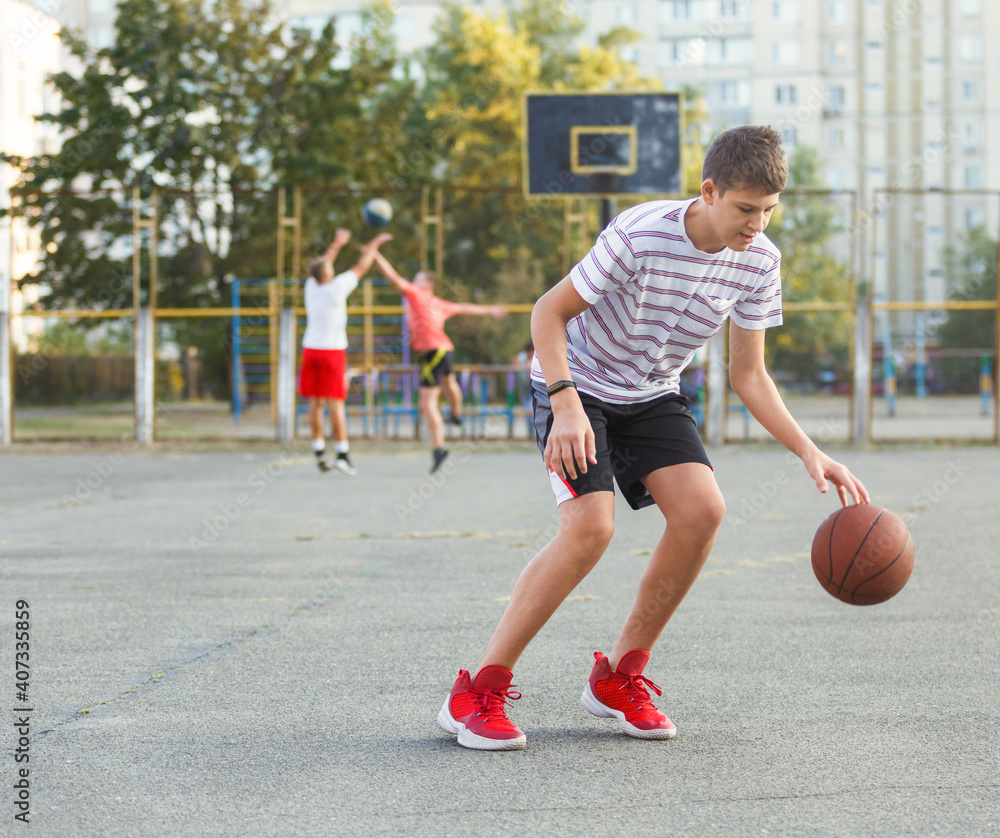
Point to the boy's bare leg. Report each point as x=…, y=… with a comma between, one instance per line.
x=338, y=418
x=316, y=418
x=427, y=401
x=692, y=504
x=453, y=393
x=586, y=524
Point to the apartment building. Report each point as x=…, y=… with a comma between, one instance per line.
x=29, y=51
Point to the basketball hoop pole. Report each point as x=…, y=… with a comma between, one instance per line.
x=607, y=212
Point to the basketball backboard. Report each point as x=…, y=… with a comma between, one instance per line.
x=602, y=144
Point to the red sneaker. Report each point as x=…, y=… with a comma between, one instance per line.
x=622, y=695
x=475, y=711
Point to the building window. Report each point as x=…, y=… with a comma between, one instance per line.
x=835, y=138
x=836, y=12
x=682, y=52
x=974, y=217
x=730, y=51
x=835, y=98
x=785, y=53
x=835, y=178
x=785, y=11
x=972, y=7
x=627, y=15
x=973, y=176
x=677, y=9
x=836, y=53
x=971, y=136
x=785, y=94
x=970, y=48
x=970, y=92
x=790, y=135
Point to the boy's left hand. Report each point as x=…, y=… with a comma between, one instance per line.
x=825, y=470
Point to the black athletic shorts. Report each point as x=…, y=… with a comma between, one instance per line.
x=632, y=440
x=434, y=366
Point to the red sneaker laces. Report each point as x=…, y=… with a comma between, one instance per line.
x=493, y=708
x=634, y=684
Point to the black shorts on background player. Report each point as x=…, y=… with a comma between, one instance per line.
x=435, y=365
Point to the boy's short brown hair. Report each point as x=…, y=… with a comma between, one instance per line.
x=747, y=157
x=317, y=268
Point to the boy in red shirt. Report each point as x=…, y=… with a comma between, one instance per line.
x=427, y=315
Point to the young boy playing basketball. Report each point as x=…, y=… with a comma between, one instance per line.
x=611, y=340
x=427, y=314
x=323, y=376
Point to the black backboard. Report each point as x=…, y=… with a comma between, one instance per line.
x=602, y=144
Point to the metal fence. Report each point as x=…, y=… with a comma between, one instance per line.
x=864, y=357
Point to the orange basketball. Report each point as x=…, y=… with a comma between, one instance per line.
x=862, y=554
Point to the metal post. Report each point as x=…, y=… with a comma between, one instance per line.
x=286, y=375
x=715, y=386
x=920, y=370
x=237, y=355
x=145, y=395
x=6, y=385
x=860, y=428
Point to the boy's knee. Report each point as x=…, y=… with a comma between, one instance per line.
x=704, y=514
x=592, y=530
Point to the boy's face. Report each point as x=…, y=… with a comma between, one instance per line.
x=421, y=280
x=738, y=215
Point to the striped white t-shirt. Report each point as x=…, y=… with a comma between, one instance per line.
x=655, y=299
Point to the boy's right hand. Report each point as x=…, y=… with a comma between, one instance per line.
x=571, y=444
x=380, y=239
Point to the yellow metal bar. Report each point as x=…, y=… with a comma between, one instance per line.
x=136, y=251
x=154, y=267
x=435, y=218
x=996, y=357
x=279, y=262
x=296, y=244
x=77, y=314
x=245, y=311
x=944, y=305
x=274, y=300
x=815, y=305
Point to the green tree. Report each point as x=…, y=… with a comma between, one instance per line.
x=215, y=105
x=971, y=269
x=802, y=229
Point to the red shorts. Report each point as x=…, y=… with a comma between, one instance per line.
x=323, y=374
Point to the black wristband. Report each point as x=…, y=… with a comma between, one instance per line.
x=559, y=385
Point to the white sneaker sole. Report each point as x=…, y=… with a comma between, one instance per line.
x=592, y=704
x=348, y=469
x=468, y=739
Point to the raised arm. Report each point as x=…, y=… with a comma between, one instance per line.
x=340, y=238
x=496, y=312
x=368, y=254
x=391, y=273
x=756, y=389
x=571, y=441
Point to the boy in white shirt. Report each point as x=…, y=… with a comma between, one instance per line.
x=323, y=375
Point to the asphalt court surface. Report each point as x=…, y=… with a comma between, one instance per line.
x=229, y=643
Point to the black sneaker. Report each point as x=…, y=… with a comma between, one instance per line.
x=343, y=463
x=452, y=419
x=439, y=457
